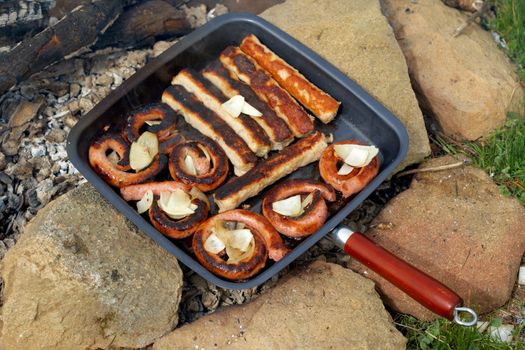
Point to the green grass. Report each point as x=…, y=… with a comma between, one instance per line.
x=502, y=155
x=510, y=24
x=444, y=335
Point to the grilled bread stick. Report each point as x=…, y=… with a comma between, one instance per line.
x=276, y=129
x=286, y=108
x=209, y=124
x=301, y=153
x=212, y=98
x=322, y=105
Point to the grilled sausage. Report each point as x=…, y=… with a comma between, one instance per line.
x=209, y=124
x=299, y=154
x=152, y=112
x=347, y=184
x=178, y=229
x=210, y=161
x=267, y=243
x=136, y=192
x=322, y=105
x=286, y=108
x=212, y=98
x=314, y=215
x=276, y=129
x=114, y=173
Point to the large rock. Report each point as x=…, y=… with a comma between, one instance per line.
x=356, y=37
x=322, y=306
x=456, y=226
x=466, y=82
x=82, y=277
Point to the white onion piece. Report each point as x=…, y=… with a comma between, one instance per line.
x=345, y=169
x=290, y=206
x=234, y=105
x=214, y=245
x=139, y=157
x=205, y=151
x=176, y=204
x=143, y=151
x=153, y=122
x=236, y=255
x=307, y=201
x=356, y=155
x=196, y=193
x=241, y=239
x=145, y=202
x=150, y=141
x=250, y=110
x=189, y=164
x=114, y=158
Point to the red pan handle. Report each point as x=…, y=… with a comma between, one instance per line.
x=426, y=290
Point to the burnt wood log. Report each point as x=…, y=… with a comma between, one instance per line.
x=143, y=24
x=21, y=19
x=74, y=31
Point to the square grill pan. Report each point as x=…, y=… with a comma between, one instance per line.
x=360, y=117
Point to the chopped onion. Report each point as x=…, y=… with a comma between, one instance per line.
x=239, y=243
x=290, y=206
x=145, y=202
x=176, y=204
x=214, y=245
x=153, y=122
x=250, y=110
x=356, y=155
x=241, y=239
x=139, y=157
x=196, y=193
x=345, y=169
x=143, y=151
x=205, y=151
x=307, y=201
x=114, y=158
x=234, y=105
x=189, y=164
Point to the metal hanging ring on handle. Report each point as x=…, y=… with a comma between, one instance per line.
x=457, y=318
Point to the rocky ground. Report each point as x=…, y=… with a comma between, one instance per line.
x=83, y=287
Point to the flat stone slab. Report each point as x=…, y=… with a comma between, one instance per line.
x=357, y=39
x=321, y=306
x=82, y=276
x=456, y=226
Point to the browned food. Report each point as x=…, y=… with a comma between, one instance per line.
x=137, y=191
x=212, y=98
x=322, y=105
x=267, y=243
x=152, y=112
x=210, y=162
x=301, y=153
x=347, y=184
x=178, y=228
x=276, y=129
x=314, y=215
x=286, y=108
x=209, y=124
x=115, y=174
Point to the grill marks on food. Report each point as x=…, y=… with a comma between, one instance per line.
x=267, y=89
x=316, y=100
x=299, y=154
x=212, y=98
x=210, y=124
x=276, y=129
